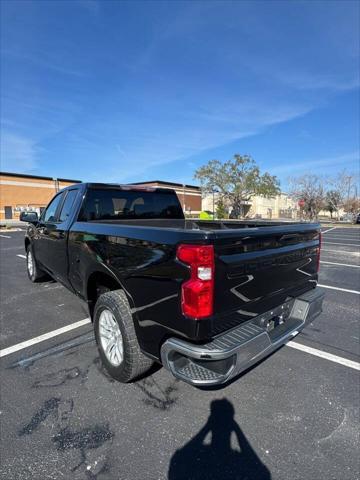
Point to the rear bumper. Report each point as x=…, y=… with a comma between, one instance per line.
x=234, y=351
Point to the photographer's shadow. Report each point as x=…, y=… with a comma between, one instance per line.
x=217, y=459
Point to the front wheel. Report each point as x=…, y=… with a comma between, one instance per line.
x=35, y=274
x=116, y=338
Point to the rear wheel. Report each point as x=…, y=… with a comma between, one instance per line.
x=35, y=274
x=116, y=338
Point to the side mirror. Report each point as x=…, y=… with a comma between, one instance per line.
x=30, y=217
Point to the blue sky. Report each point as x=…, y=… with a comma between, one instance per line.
x=123, y=91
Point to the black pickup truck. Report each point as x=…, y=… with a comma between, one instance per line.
x=206, y=299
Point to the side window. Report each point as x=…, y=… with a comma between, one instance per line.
x=50, y=212
x=67, y=205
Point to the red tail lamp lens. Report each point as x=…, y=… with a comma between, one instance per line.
x=197, y=295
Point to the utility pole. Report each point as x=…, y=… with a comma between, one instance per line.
x=349, y=180
x=213, y=192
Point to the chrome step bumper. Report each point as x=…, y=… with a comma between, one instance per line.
x=236, y=350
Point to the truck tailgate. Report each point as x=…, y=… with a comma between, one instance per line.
x=258, y=269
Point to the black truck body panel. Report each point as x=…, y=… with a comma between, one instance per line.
x=258, y=266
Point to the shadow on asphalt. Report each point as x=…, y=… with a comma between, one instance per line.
x=217, y=459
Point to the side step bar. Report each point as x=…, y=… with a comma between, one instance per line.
x=236, y=350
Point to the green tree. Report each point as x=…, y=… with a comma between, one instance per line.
x=236, y=181
x=221, y=211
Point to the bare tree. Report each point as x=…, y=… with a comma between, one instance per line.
x=352, y=205
x=344, y=187
x=309, y=189
x=343, y=193
x=325, y=193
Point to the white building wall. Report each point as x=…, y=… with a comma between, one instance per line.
x=280, y=206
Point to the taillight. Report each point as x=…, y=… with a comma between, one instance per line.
x=318, y=254
x=197, y=294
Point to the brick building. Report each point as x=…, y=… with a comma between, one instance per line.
x=19, y=192
x=189, y=195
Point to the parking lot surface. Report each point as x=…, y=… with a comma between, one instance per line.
x=294, y=416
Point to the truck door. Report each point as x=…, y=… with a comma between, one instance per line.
x=46, y=224
x=57, y=235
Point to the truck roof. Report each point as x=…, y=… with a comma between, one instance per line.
x=121, y=186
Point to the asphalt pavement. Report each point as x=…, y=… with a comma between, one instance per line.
x=294, y=416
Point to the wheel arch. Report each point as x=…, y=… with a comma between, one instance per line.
x=99, y=282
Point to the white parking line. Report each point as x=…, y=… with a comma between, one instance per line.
x=5, y=236
x=357, y=254
x=340, y=289
x=42, y=338
x=341, y=239
x=344, y=244
x=343, y=235
x=340, y=264
x=351, y=234
x=328, y=230
x=85, y=321
x=21, y=256
x=325, y=355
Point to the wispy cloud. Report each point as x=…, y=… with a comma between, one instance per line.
x=312, y=164
x=92, y=6
x=315, y=81
x=199, y=132
x=18, y=154
x=42, y=60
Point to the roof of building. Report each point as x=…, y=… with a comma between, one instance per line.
x=26, y=175
x=162, y=182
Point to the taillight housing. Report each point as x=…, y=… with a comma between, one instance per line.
x=318, y=253
x=197, y=294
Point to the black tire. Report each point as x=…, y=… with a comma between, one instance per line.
x=134, y=363
x=36, y=274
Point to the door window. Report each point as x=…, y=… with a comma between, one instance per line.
x=67, y=205
x=50, y=212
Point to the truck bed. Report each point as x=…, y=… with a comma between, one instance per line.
x=207, y=225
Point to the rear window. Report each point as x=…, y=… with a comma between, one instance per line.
x=116, y=204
